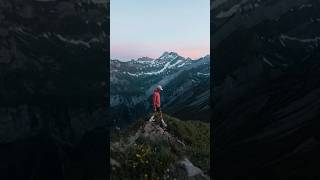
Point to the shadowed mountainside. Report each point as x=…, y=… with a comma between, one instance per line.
x=53, y=89
x=266, y=96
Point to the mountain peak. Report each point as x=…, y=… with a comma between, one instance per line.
x=169, y=55
x=145, y=59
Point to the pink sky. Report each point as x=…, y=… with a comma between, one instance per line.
x=128, y=52
x=152, y=27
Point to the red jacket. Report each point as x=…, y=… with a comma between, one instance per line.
x=156, y=99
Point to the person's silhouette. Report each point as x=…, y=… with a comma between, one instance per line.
x=156, y=104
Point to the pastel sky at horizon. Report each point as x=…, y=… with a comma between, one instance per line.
x=140, y=28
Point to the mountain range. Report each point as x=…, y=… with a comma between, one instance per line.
x=185, y=82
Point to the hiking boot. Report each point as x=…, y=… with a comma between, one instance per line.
x=163, y=123
x=152, y=119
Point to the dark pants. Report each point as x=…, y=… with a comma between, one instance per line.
x=158, y=114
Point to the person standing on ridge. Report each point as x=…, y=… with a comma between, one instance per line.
x=156, y=104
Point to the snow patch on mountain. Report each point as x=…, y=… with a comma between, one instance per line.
x=72, y=41
x=160, y=71
x=217, y=3
x=231, y=11
x=305, y=6
x=180, y=65
x=204, y=74
x=132, y=74
x=267, y=61
x=48, y=35
x=174, y=64
x=303, y=40
x=165, y=80
x=169, y=55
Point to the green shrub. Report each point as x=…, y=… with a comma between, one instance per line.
x=144, y=162
x=151, y=160
x=196, y=136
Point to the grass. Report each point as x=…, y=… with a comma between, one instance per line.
x=143, y=161
x=196, y=136
x=151, y=160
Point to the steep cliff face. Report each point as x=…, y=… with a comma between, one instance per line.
x=53, y=86
x=266, y=95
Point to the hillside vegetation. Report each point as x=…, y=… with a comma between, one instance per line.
x=146, y=151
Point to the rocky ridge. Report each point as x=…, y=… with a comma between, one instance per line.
x=155, y=145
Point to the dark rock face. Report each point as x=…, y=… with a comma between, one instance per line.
x=266, y=96
x=53, y=68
